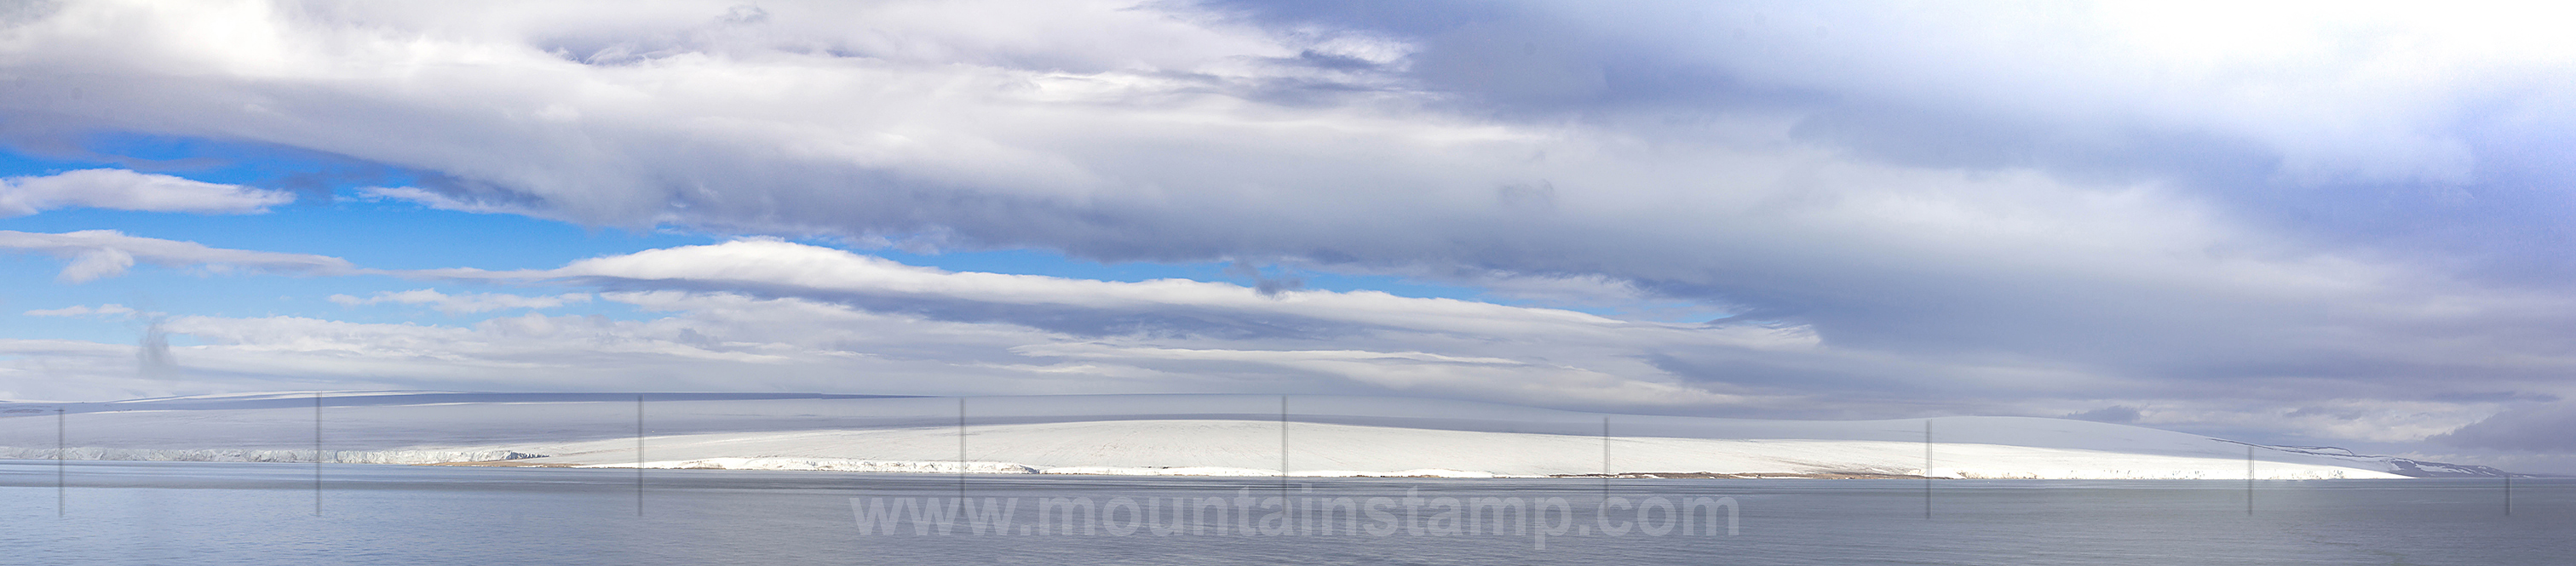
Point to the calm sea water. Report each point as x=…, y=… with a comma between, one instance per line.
x=226, y=513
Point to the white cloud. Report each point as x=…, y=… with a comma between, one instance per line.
x=98, y=254
x=785, y=268
x=96, y=263
x=127, y=190
x=1466, y=348
x=110, y=309
x=465, y=303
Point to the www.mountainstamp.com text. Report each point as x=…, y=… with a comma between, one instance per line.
x=1250, y=512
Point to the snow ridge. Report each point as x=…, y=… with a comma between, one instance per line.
x=1208, y=435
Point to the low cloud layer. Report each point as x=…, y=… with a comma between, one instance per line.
x=804, y=317
x=1185, y=335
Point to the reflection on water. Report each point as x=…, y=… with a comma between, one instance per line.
x=231, y=513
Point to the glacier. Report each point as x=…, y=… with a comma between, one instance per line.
x=1207, y=435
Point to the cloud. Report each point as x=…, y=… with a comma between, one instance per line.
x=2534, y=427
x=1248, y=131
x=38, y=369
x=440, y=201
x=778, y=268
x=127, y=190
x=1471, y=349
x=463, y=304
x=1175, y=326
x=2204, y=208
x=110, y=309
x=97, y=254
x=804, y=316
x=814, y=318
x=2373, y=124
x=2113, y=414
x=709, y=339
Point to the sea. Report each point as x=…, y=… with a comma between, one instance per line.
x=157, y=513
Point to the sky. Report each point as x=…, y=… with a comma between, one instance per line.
x=2341, y=224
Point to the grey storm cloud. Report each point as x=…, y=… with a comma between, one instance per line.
x=2249, y=107
x=2283, y=203
x=2530, y=427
